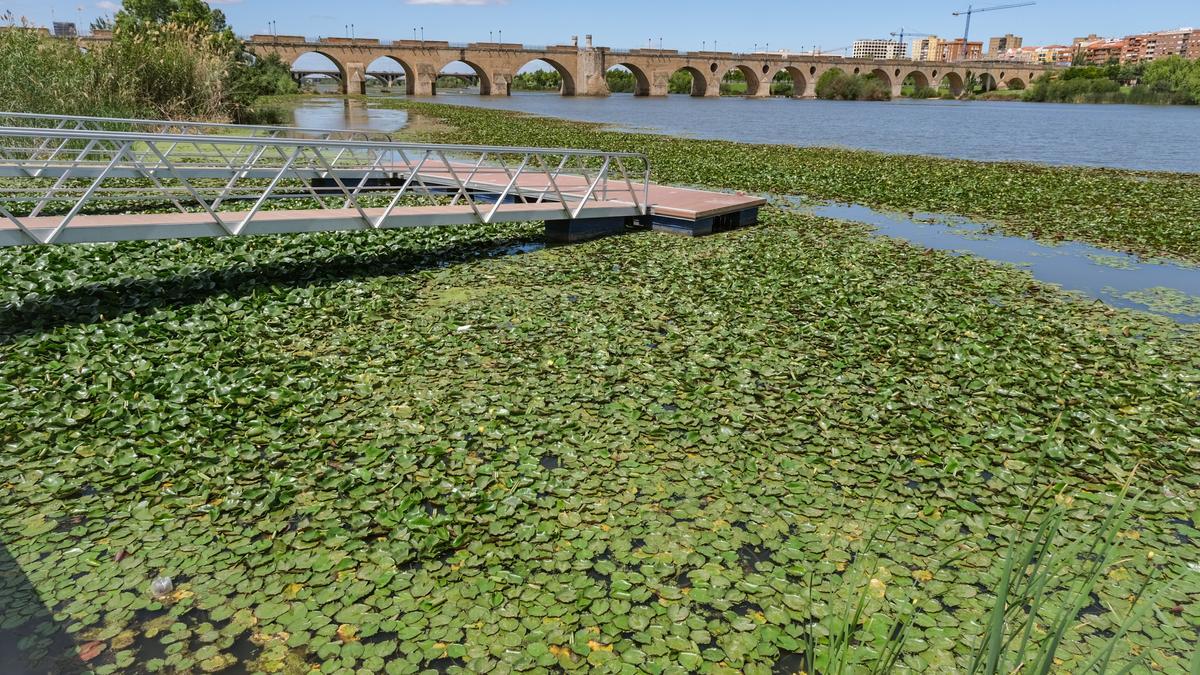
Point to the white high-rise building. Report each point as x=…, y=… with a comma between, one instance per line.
x=880, y=49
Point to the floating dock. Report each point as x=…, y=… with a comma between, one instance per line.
x=197, y=183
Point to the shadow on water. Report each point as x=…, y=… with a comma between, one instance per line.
x=31, y=641
x=1116, y=279
x=92, y=303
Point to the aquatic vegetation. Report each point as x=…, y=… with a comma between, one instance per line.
x=395, y=451
x=1115, y=262
x=1150, y=214
x=1166, y=300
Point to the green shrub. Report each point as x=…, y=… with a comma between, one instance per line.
x=538, y=80
x=172, y=59
x=838, y=86
x=680, y=83
x=1168, y=81
x=620, y=81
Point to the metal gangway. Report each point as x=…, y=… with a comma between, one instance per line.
x=86, y=179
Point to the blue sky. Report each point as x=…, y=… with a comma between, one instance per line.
x=682, y=24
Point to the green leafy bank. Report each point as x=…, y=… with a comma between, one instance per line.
x=794, y=447
x=396, y=452
x=1152, y=214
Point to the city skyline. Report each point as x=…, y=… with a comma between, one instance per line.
x=546, y=21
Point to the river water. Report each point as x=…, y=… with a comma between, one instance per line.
x=1117, y=279
x=1149, y=138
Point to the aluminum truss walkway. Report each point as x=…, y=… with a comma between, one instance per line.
x=65, y=179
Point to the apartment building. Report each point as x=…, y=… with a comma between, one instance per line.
x=1004, y=45
x=879, y=49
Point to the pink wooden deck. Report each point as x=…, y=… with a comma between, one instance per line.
x=664, y=200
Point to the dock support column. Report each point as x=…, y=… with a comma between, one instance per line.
x=703, y=227
x=583, y=229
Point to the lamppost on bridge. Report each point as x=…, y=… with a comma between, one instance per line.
x=704, y=45
x=422, y=34
x=491, y=36
x=660, y=44
x=501, y=34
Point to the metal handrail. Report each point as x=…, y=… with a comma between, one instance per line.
x=32, y=132
x=171, y=124
x=67, y=170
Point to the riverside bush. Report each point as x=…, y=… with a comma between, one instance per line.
x=838, y=86
x=1173, y=80
x=167, y=70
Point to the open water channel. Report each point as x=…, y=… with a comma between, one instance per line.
x=1162, y=287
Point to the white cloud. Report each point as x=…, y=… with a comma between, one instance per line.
x=109, y=5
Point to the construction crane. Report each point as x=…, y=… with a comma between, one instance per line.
x=903, y=47
x=900, y=36
x=970, y=10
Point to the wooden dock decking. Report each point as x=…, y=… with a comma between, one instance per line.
x=610, y=207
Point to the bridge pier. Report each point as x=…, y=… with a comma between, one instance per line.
x=424, y=80
x=501, y=85
x=764, y=87
x=592, y=79
x=355, y=82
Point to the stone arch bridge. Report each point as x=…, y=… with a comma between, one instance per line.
x=583, y=69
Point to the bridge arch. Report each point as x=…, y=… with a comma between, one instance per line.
x=738, y=73
x=1015, y=83
x=798, y=78
x=315, y=62
x=699, y=82
x=485, y=82
x=567, y=80
x=883, y=76
x=388, y=64
x=954, y=82
x=918, y=80
x=987, y=82
x=618, y=82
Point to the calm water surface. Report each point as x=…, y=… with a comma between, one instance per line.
x=1152, y=138
x=1117, y=279
x=340, y=113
